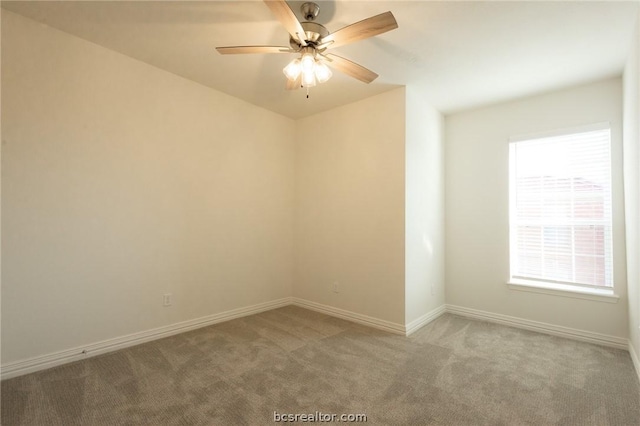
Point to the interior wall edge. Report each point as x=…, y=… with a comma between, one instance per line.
x=425, y=319
x=380, y=324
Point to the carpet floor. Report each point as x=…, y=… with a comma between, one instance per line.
x=454, y=371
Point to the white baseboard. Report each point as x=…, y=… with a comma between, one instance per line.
x=425, y=319
x=351, y=316
x=541, y=327
x=18, y=368
x=634, y=358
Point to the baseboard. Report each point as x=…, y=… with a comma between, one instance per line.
x=634, y=358
x=31, y=365
x=425, y=319
x=18, y=368
x=556, y=330
x=389, y=326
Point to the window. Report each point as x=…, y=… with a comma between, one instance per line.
x=560, y=208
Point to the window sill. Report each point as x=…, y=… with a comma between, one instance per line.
x=565, y=290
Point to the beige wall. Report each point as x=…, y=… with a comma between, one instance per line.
x=477, y=222
x=350, y=207
x=632, y=185
x=122, y=182
x=424, y=207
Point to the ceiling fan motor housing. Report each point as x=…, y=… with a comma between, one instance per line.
x=314, y=33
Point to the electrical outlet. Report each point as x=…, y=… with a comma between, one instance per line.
x=167, y=299
x=336, y=287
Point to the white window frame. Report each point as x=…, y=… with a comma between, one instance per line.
x=568, y=289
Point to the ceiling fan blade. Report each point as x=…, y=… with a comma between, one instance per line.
x=360, y=30
x=296, y=84
x=232, y=50
x=288, y=19
x=351, y=68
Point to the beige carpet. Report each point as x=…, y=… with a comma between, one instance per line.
x=455, y=371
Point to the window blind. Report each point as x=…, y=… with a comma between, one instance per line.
x=560, y=208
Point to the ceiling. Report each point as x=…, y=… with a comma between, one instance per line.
x=459, y=54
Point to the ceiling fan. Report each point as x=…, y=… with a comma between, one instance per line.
x=311, y=40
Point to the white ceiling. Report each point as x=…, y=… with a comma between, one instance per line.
x=461, y=54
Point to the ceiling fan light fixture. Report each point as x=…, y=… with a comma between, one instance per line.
x=308, y=62
x=293, y=69
x=322, y=72
x=308, y=79
x=310, y=70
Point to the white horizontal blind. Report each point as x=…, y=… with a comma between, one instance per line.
x=560, y=208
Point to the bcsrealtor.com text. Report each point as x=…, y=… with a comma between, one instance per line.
x=318, y=417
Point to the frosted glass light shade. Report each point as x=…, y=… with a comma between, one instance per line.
x=323, y=73
x=308, y=62
x=308, y=79
x=293, y=69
